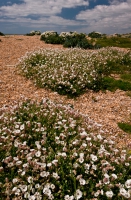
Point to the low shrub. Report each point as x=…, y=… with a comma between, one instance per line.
x=126, y=127
x=95, y=34
x=48, y=151
x=32, y=33
x=1, y=34
x=72, y=71
x=68, y=39
x=114, y=42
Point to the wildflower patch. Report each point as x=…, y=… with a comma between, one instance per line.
x=49, y=152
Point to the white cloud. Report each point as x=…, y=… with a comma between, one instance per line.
x=45, y=11
x=115, y=17
x=41, y=7
x=111, y=18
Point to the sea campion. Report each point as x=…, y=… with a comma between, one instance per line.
x=49, y=151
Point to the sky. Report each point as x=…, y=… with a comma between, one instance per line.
x=82, y=16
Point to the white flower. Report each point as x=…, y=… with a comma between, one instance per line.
x=32, y=197
x=23, y=188
x=99, y=137
x=93, y=157
x=78, y=194
x=81, y=155
x=124, y=193
x=94, y=167
x=37, y=185
x=17, y=192
x=19, y=162
x=128, y=183
x=14, y=189
x=22, y=173
x=81, y=160
x=55, y=175
x=109, y=194
x=22, y=127
x=52, y=186
x=96, y=194
x=82, y=181
x=67, y=197
x=15, y=180
x=16, y=126
x=26, y=195
x=88, y=138
x=38, y=154
x=87, y=166
x=47, y=191
x=49, y=164
x=83, y=135
x=30, y=179
x=38, y=196
x=114, y=176
x=44, y=174
x=51, y=196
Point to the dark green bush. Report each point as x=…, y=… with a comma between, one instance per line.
x=94, y=35
x=32, y=33
x=1, y=34
x=77, y=41
x=53, y=39
x=72, y=40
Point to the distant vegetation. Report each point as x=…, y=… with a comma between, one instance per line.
x=1, y=34
x=115, y=40
x=67, y=39
x=32, y=33
x=93, y=40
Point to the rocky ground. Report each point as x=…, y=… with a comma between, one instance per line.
x=105, y=109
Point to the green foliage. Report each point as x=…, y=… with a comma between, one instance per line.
x=126, y=77
x=1, y=34
x=69, y=40
x=126, y=127
x=52, y=39
x=95, y=34
x=32, y=33
x=112, y=84
x=79, y=41
x=114, y=42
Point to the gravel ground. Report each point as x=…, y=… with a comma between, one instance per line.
x=105, y=109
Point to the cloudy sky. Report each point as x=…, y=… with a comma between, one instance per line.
x=105, y=16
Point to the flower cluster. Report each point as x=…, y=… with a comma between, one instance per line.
x=48, y=151
x=36, y=32
x=70, y=34
x=48, y=33
x=70, y=71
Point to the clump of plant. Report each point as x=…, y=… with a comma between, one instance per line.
x=1, y=34
x=126, y=127
x=95, y=34
x=32, y=33
x=48, y=151
x=114, y=41
x=72, y=71
x=69, y=72
x=51, y=37
x=68, y=39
